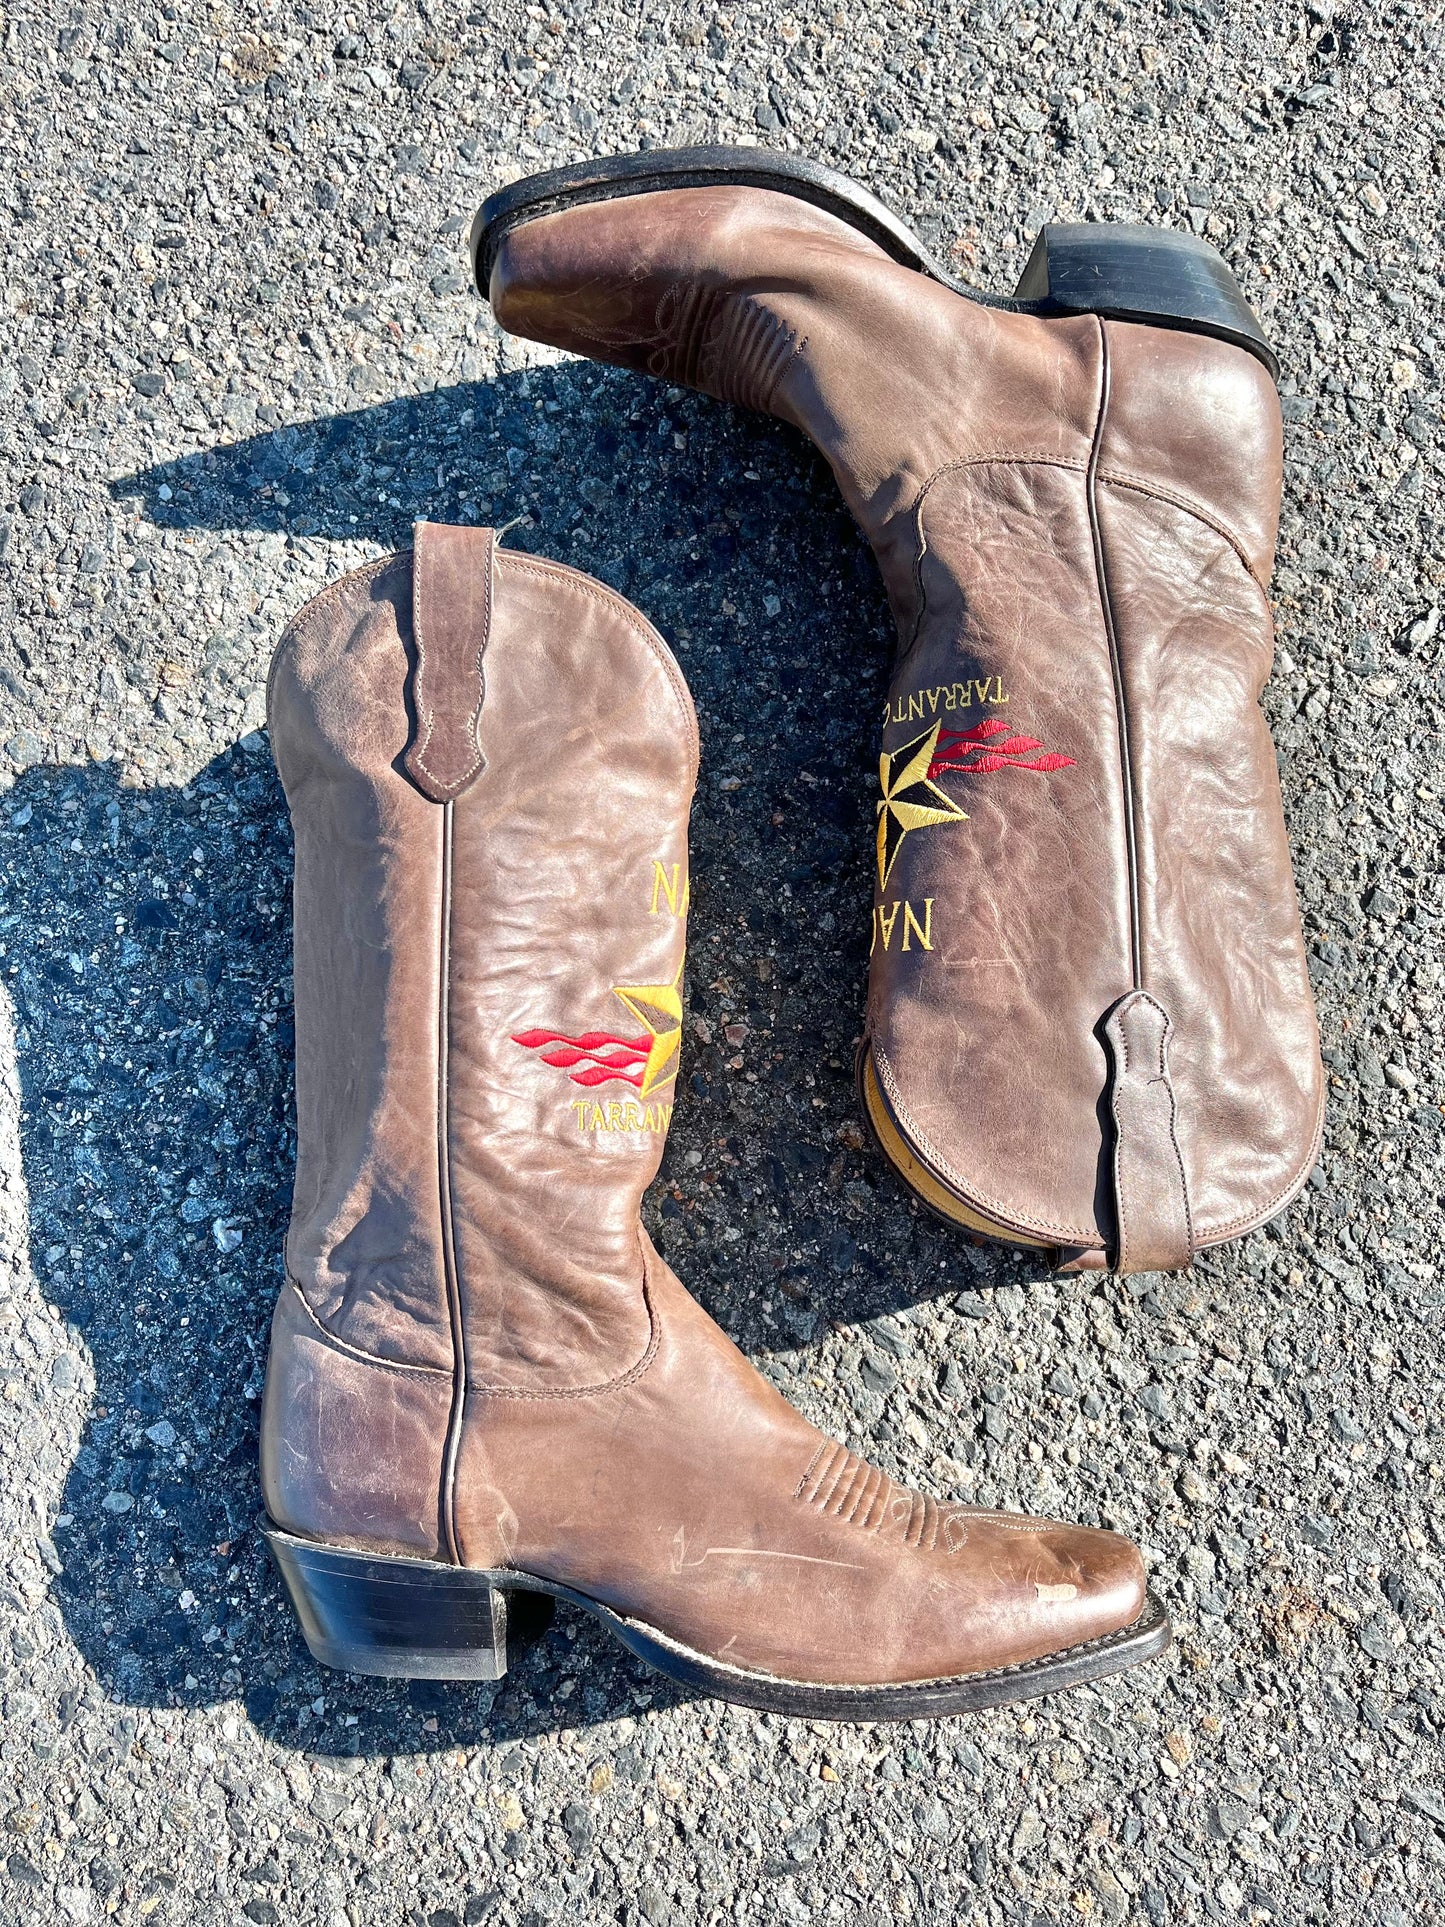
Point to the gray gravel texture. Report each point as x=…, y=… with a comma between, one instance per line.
x=241, y=356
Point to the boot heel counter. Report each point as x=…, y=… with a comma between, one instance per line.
x=352, y=1447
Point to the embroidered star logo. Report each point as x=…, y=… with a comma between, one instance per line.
x=910, y=800
x=659, y=1008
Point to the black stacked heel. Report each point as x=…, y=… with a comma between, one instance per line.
x=1163, y=276
x=403, y=1618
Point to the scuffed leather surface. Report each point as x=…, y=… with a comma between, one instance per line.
x=962, y=438
x=684, y=1498
x=351, y=1448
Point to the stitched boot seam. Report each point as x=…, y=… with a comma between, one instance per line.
x=1116, y=668
x=444, y=1193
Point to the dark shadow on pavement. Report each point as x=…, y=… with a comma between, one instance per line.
x=153, y=1019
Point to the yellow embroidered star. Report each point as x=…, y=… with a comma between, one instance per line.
x=659, y=1008
x=910, y=800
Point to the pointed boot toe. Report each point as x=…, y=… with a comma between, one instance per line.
x=1005, y=1599
x=1086, y=1585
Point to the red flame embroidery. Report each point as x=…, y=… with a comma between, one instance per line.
x=608, y=1059
x=979, y=750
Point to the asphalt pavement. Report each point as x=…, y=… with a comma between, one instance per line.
x=241, y=355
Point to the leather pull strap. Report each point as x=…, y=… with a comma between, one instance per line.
x=451, y=613
x=1151, y=1201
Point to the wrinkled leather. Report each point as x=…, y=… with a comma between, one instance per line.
x=479, y=1356
x=364, y=1241
x=588, y=776
x=1026, y=484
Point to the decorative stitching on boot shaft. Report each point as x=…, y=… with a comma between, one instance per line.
x=601, y=1057
x=358, y=1352
x=1043, y=459
x=978, y=751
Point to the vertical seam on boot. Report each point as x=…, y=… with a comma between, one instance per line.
x=444, y=1190
x=1126, y=767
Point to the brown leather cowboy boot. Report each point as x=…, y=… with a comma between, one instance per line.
x=483, y=1380
x=1089, y=1023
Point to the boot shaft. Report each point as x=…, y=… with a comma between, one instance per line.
x=1080, y=690
x=488, y=987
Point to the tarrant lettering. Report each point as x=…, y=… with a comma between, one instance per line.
x=620, y=1114
x=924, y=705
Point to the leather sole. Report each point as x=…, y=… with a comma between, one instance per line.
x=1163, y=277
x=400, y=1618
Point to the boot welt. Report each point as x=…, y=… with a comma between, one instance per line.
x=616, y=176
x=365, y=1612
x=1165, y=277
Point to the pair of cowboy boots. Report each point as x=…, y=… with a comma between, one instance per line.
x=1089, y=1024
